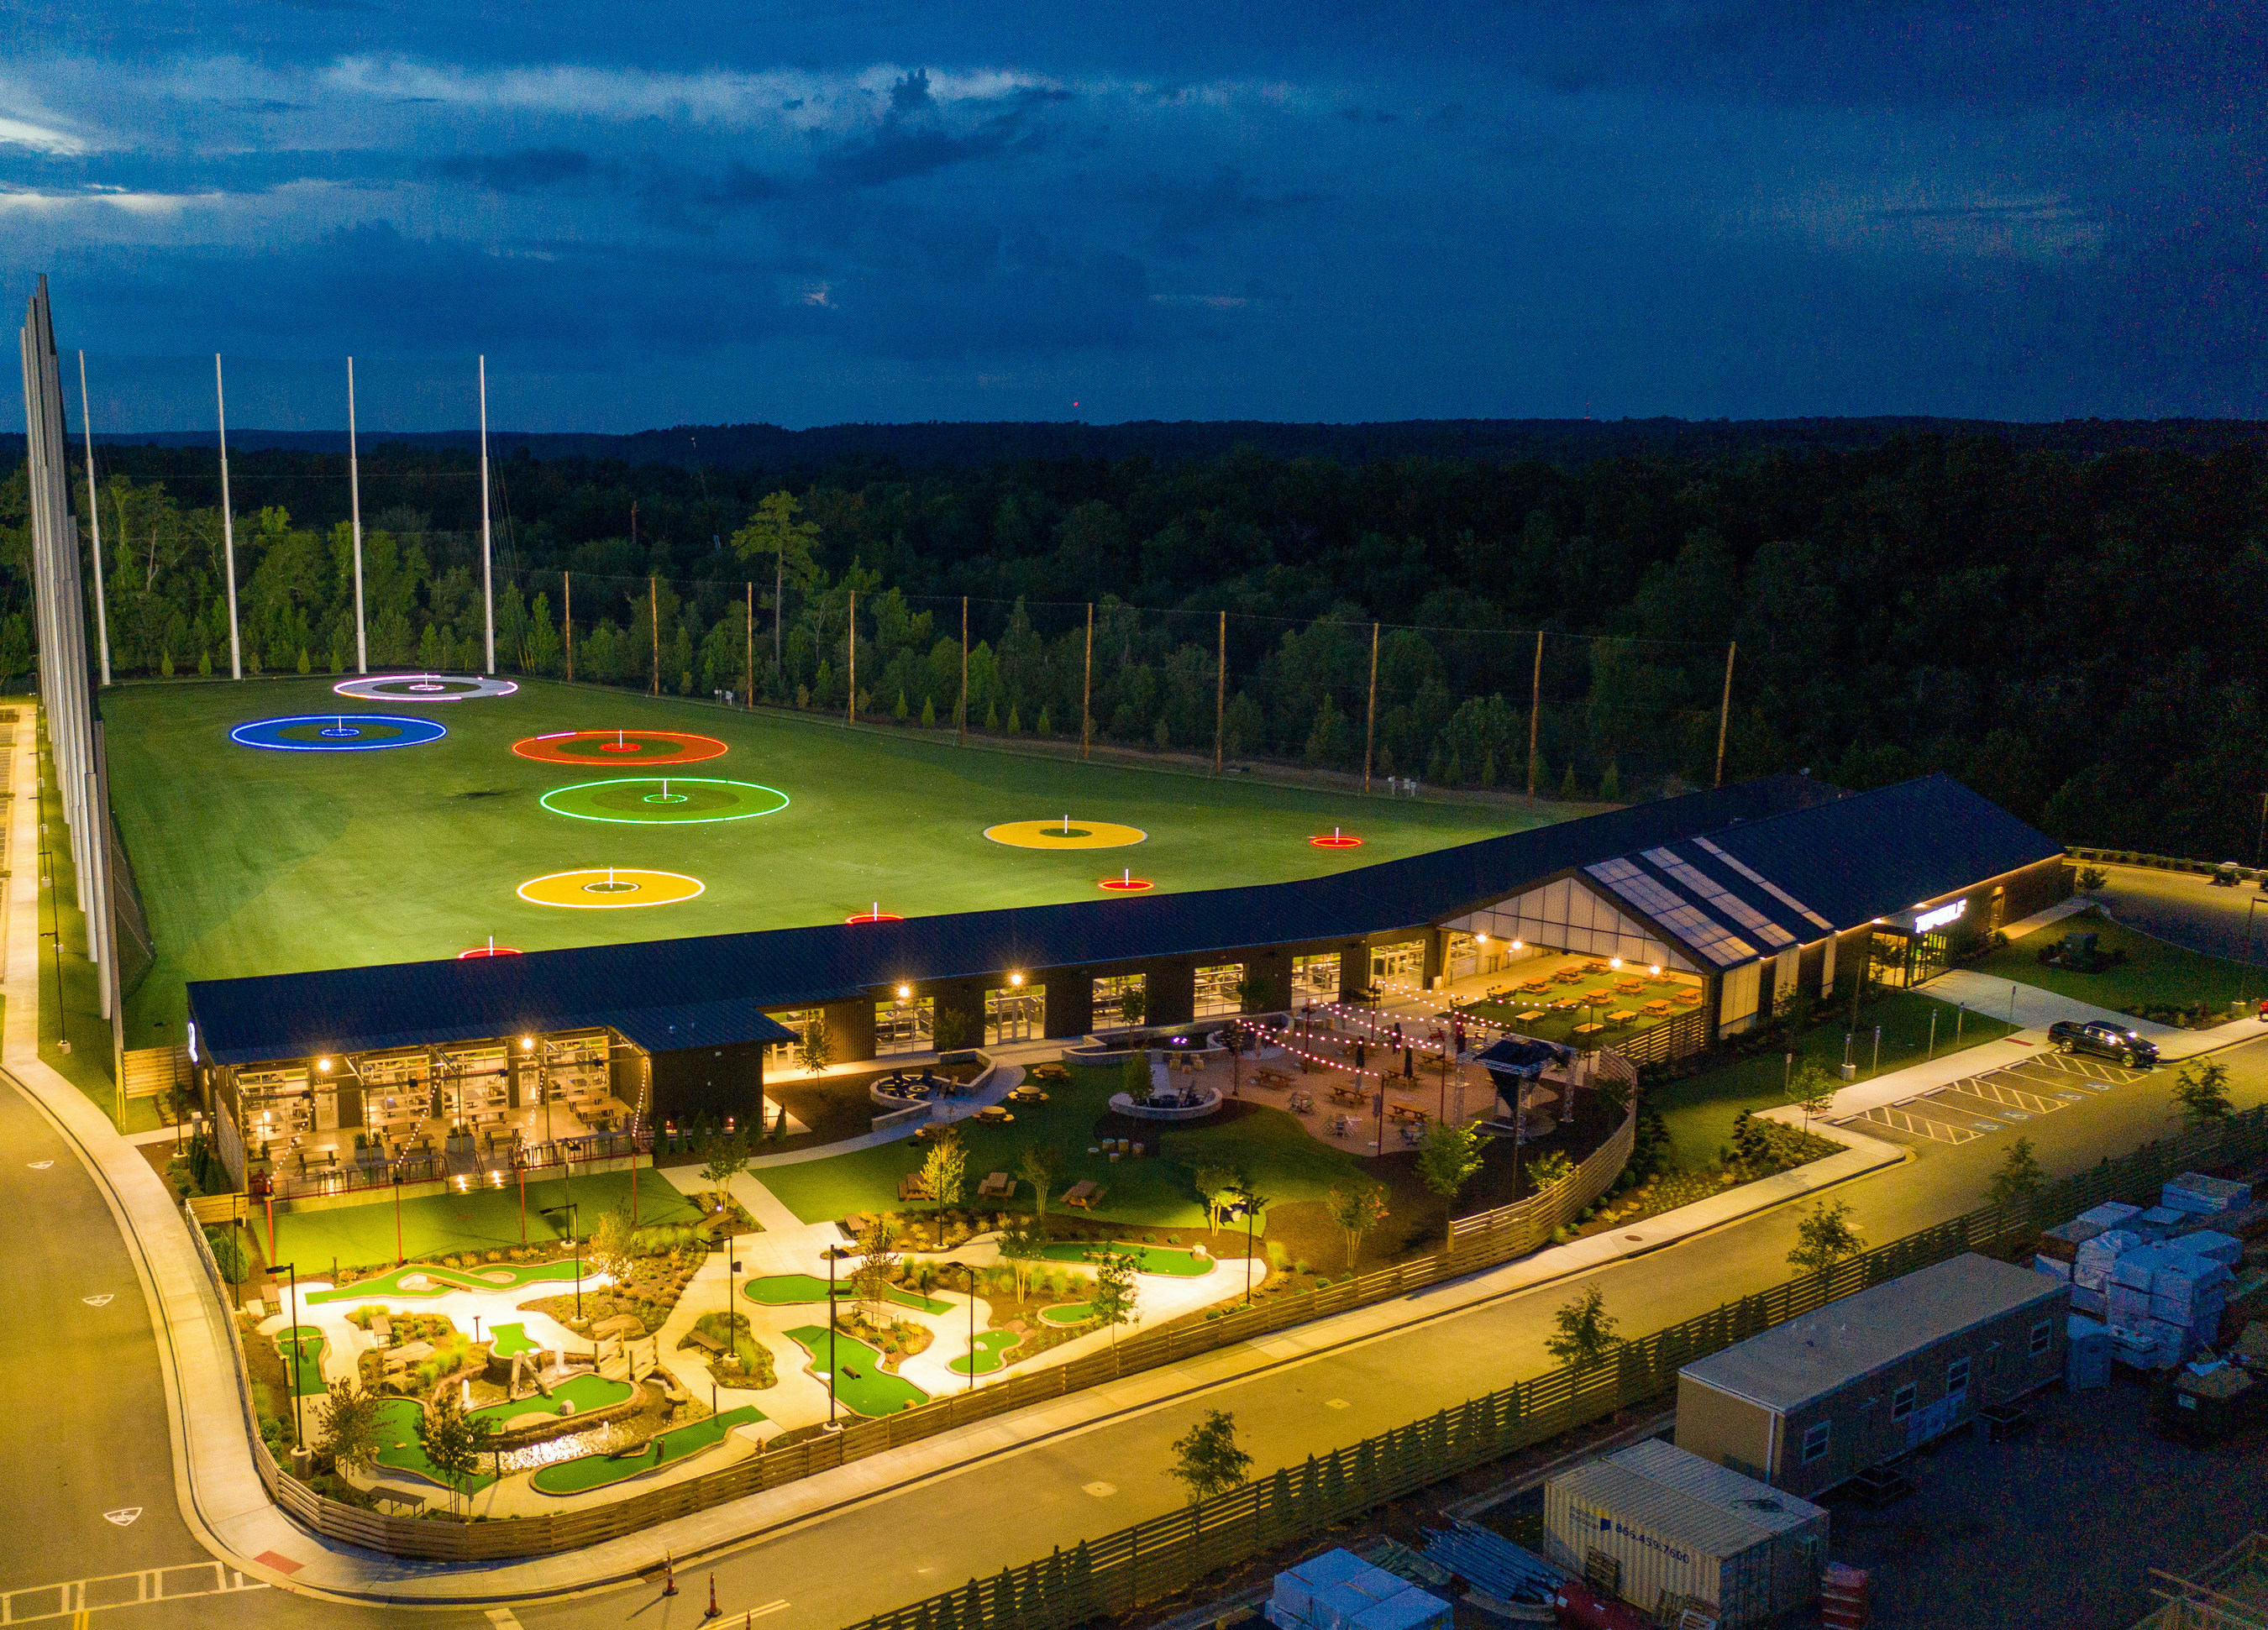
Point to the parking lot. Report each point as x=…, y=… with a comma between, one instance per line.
x=1998, y=1099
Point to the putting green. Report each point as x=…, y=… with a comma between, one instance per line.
x=788, y=1289
x=302, y=1347
x=861, y=1385
x=422, y=1279
x=1161, y=1259
x=585, y=1392
x=991, y=1353
x=510, y=1341
x=400, y=1449
x=665, y=801
x=587, y=1472
x=1069, y=1313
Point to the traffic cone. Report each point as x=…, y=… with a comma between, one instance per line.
x=713, y=1609
x=668, y=1576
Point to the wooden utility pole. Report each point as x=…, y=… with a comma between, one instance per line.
x=1220, y=693
x=653, y=614
x=850, y=691
x=567, y=620
x=1370, y=715
x=1086, y=689
x=963, y=709
x=1534, y=711
x=1724, y=710
x=748, y=697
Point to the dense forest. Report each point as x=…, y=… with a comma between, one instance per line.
x=2066, y=630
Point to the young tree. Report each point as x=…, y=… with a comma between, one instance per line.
x=609, y=1250
x=1039, y=1165
x=1824, y=1237
x=1218, y=1186
x=1112, y=1300
x=1356, y=1206
x=2201, y=1088
x=1132, y=1004
x=870, y=1281
x=452, y=1440
x=1587, y=1330
x=1206, y=1459
x=2019, y=1178
x=1023, y=1245
x=346, y=1423
x=1448, y=1159
x=1811, y=1091
x=1251, y=991
x=945, y=1171
x=725, y=1163
x=815, y=1049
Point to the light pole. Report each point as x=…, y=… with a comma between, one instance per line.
x=970, y=1269
x=298, y=1352
x=399, y=1257
x=732, y=1330
x=1251, y=1203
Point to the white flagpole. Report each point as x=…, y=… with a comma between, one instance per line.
x=94, y=520
x=227, y=526
x=488, y=584
x=354, y=497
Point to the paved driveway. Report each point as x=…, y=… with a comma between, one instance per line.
x=2185, y=908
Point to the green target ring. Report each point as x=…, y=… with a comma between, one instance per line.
x=665, y=801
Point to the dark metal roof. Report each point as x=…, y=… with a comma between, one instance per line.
x=710, y=988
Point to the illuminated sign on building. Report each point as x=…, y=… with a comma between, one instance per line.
x=1938, y=919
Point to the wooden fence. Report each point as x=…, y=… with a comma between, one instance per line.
x=1119, y=1572
x=1476, y=1242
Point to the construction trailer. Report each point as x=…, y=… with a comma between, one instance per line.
x=1666, y=1530
x=1814, y=1402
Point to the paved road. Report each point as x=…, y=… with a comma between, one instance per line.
x=2185, y=908
x=900, y=1546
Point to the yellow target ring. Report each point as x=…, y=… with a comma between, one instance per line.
x=1060, y=833
x=609, y=888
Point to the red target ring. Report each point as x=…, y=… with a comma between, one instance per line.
x=1125, y=886
x=671, y=747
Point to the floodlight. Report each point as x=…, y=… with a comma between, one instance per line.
x=1015, y=979
x=905, y=991
x=527, y=1044
x=324, y=1065
x=1614, y=962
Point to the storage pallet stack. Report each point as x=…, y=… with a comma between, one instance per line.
x=2090, y=1267
x=1844, y=1598
x=2205, y=1196
x=2170, y=1295
x=1338, y=1590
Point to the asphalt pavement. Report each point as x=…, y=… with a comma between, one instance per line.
x=2184, y=909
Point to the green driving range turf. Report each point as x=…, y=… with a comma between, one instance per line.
x=991, y=1353
x=681, y=800
x=304, y=860
x=585, y=1392
x=1068, y=1313
x=587, y=1472
x=400, y=1449
x=1147, y=1259
x=489, y=1276
x=302, y=1347
x=791, y=1290
x=510, y=1341
x=861, y=1383
x=484, y=1219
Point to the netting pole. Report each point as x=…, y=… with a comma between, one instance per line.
x=227, y=525
x=1220, y=693
x=94, y=520
x=1534, y=711
x=354, y=503
x=1086, y=689
x=850, y=634
x=653, y=615
x=567, y=620
x=964, y=671
x=1724, y=710
x=1370, y=714
x=779, y=609
x=749, y=696
x=488, y=574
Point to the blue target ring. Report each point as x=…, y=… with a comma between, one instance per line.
x=335, y=733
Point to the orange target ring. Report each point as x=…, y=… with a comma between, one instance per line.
x=588, y=747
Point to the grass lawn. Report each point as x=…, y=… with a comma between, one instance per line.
x=861, y=1385
x=1147, y=1259
x=510, y=1341
x=587, y=1472
x=1700, y=1109
x=2155, y=972
x=791, y=1290
x=991, y=1353
x=585, y=1392
x=304, y=860
x=400, y=1449
x=1285, y=1163
x=494, y=1276
x=302, y=1349
x=482, y=1219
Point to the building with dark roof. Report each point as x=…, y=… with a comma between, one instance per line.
x=1741, y=896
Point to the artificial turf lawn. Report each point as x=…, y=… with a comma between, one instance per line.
x=1147, y=1259
x=510, y=1341
x=303, y=860
x=587, y=1472
x=480, y=1219
x=499, y=1276
x=585, y=1392
x=2155, y=972
x=791, y=1290
x=1700, y=1109
x=1068, y=1313
x=302, y=1347
x=871, y=1391
x=397, y=1433
x=991, y=1353
x=1284, y=1161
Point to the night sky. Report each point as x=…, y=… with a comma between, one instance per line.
x=649, y=214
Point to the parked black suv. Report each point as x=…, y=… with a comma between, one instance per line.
x=2100, y=1037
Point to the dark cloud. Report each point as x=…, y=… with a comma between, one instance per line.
x=522, y=170
x=900, y=151
x=1189, y=213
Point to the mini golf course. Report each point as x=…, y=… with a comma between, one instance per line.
x=1161, y=1259
x=664, y=800
x=861, y=1385
x=585, y=1392
x=991, y=1353
x=586, y=1473
x=423, y=1280
x=1069, y=1313
x=400, y=1451
x=476, y=1220
x=510, y=1341
x=791, y=1290
x=302, y=1347
x=303, y=860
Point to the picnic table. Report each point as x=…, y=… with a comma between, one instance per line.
x=1407, y=1112
x=1536, y=986
x=1622, y=1015
x=993, y=1115
x=1686, y=998
x=999, y=1184
x=1349, y=1094
x=1629, y=987
x=1595, y=967
x=1083, y=1195
x=1591, y=1028
x=911, y=1186
x=1655, y=1008
x=1531, y=1015
x=1268, y=1077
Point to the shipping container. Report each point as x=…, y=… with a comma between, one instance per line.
x=1642, y=1540
x=1799, y=1529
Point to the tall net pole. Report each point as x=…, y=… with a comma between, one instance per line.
x=1370, y=713
x=1534, y=711
x=1220, y=691
x=850, y=634
x=1724, y=710
x=748, y=697
x=487, y=576
x=1087, y=690
x=567, y=621
x=227, y=525
x=653, y=615
x=94, y=521
x=354, y=503
x=964, y=671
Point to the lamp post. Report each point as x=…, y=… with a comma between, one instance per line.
x=298, y=1438
x=831, y=1423
x=970, y=1269
x=732, y=1332
x=399, y=1257
x=1251, y=1203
